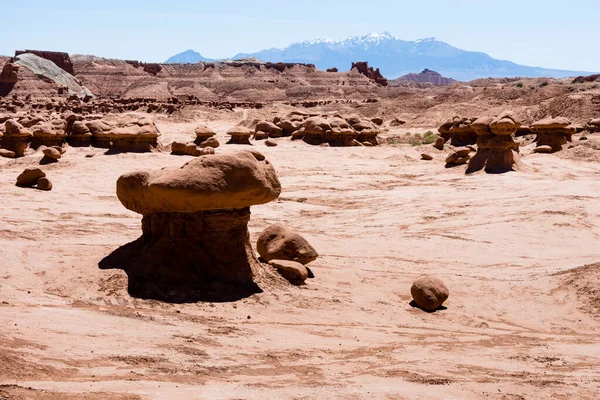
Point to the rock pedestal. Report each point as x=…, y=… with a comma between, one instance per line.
x=496, y=149
x=16, y=138
x=195, y=226
x=553, y=132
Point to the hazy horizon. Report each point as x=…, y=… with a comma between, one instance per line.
x=153, y=31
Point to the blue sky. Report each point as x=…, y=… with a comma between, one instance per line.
x=550, y=34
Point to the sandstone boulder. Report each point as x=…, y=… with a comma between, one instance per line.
x=293, y=271
x=210, y=142
x=280, y=243
x=429, y=293
x=44, y=184
x=29, y=177
x=272, y=130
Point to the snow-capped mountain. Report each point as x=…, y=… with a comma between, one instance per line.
x=396, y=57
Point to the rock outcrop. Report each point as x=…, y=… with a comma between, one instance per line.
x=553, y=132
x=62, y=60
x=497, y=152
x=363, y=68
x=195, y=227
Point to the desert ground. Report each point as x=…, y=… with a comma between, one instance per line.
x=518, y=252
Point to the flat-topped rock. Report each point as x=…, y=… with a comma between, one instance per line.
x=217, y=182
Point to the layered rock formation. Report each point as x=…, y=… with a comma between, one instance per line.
x=497, y=152
x=552, y=132
x=194, y=226
x=62, y=60
x=363, y=68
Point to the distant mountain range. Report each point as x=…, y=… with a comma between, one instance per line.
x=394, y=57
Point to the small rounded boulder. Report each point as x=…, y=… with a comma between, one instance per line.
x=429, y=293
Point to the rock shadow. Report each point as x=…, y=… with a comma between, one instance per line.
x=414, y=304
x=131, y=259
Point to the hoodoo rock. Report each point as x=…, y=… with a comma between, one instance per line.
x=367, y=130
x=79, y=134
x=51, y=155
x=16, y=138
x=280, y=243
x=272, y=130
x=124, y=133
x=203, y=133
x=497, y=152
x=239, y=135
x=195, y=226
x=49, y=133
x=429, y=293
x=458, y=131
x=553, y=132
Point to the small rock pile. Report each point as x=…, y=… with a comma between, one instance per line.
x=34, y=177
x=286, y=251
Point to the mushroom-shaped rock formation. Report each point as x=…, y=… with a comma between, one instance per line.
x=288, y=126
x=16, y=137
x=203, y=133
x=239, y=135
x=79, y=134
x=49, y=133
x=195, y=227
x=497, y=152
x=280, y=243
x=553, y=132
x=367, y=130
x=313, y=130
x=124, y=133
x=458, y=131
x=272, y=130
x=51, y=155
x=429, y=293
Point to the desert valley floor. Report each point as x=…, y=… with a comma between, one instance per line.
x=516, y=251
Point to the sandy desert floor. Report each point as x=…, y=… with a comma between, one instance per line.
x=521, y=322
